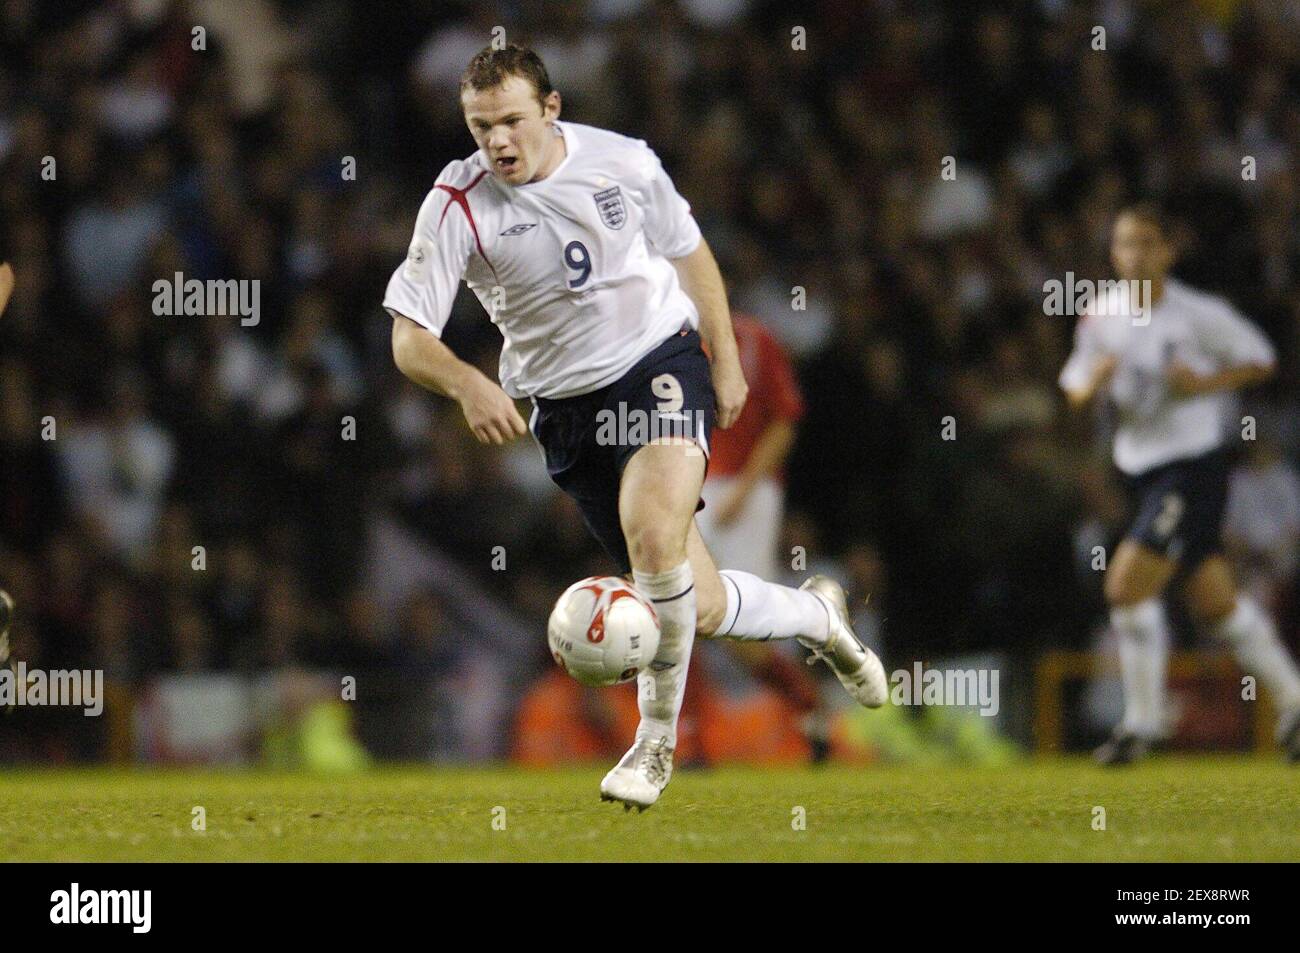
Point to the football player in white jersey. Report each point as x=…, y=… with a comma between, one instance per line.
x=585, y=256
x=1170, y=369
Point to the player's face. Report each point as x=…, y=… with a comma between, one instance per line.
x=513, y=129
x=1139, y=250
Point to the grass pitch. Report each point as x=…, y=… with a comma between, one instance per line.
x=1178, y=809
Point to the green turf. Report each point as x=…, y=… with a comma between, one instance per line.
x=1231, y=809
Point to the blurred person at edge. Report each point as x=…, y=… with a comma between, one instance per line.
x=6, y=602
x=1261, y=526
x=745, y=496
x=6, y=278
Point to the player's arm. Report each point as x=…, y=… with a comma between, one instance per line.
x=1089, y=368
x=1247, y=355
x=6, y=284
x=419, y=297
x=782, y=408
x=702, y=281
x=766, y=459
x=1187, y=383
x=1081, y=393
x=673, y=231
x=424, y=359
x=769, y=452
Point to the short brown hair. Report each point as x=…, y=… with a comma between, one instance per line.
x=1150, y=212
x=490, y=67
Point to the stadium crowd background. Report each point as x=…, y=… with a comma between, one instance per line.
x=817, y=168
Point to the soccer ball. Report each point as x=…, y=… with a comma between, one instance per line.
x=602, y=631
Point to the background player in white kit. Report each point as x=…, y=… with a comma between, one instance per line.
x=580, y=248
x=1171, y=375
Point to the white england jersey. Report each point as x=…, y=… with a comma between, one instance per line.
x=574, y=268
x=1199, y=330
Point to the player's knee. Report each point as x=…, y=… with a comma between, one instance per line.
x=1211, y=592
x=1211, y=608
x=708, y=615
x=1120, y=591
x=656, y=547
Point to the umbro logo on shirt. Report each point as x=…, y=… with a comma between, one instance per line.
x=518, y=229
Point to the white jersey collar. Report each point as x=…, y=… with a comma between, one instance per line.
x=570, y=147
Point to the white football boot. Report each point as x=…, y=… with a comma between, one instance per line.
x=856, y=666
x=639, y=778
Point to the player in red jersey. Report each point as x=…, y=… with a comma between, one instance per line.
x=745, y=494
x=744, y=490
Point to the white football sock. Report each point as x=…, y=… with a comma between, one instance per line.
x=758, y=610
x=1259, y=651
x=1143, y=655
x=661, y=689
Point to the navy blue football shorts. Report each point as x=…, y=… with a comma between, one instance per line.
x=587, y=440
x=1178, y=507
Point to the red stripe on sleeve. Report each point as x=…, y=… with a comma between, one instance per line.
x=459, y=197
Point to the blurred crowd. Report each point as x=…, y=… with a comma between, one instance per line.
x=183, y=494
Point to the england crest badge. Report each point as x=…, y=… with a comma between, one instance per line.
x=610, y=204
